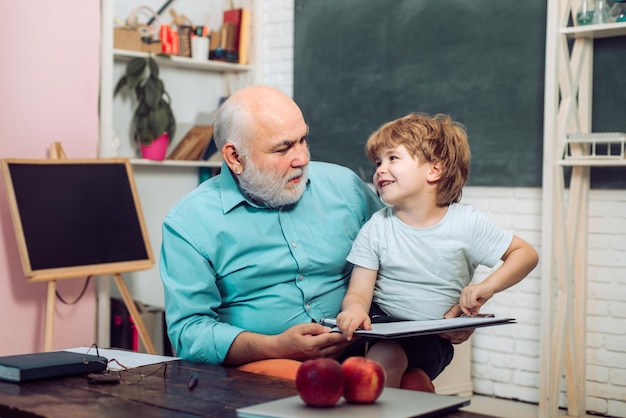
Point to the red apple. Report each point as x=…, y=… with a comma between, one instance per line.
x=365, y=379
x=320, y=382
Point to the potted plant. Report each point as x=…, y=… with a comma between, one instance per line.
x=153, y=122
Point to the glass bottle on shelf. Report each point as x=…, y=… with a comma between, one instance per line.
x=618, y=11
x=601, y=14
x=584, y=15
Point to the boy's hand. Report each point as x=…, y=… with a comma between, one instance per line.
x=349, y=321
x=474, y=296
x=456, y=337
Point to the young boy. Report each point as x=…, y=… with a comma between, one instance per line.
x=415, y=258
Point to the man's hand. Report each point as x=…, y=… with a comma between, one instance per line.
x=300, y=342
x=456, y=337
x=305, y=341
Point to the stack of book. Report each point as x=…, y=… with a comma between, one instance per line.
x=197, y=144
x=232, y=42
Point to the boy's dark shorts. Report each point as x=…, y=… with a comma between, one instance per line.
x=430, y=353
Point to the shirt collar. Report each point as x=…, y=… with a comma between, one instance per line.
x=231, y=194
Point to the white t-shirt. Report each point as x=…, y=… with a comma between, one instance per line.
x=421, y=271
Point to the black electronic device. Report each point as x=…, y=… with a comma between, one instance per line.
x=26, y=367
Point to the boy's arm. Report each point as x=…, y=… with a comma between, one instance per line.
x=357, y=301
x=518, y=260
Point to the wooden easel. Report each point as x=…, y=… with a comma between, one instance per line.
x=56, y=152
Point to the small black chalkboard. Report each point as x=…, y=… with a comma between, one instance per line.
x=76, y=217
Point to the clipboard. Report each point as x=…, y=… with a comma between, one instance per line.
x=399, y=329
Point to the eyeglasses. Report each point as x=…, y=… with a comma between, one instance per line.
x=99, y=371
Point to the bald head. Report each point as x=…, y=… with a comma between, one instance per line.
x=249, y=110
x=256, y=97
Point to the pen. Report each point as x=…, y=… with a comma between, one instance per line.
x=193, y=381
x=329, y=321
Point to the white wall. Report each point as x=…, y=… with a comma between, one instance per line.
x=506, y=360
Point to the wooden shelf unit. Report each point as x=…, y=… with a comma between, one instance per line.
x=595, y=149
x=195, y=86
x=607, y=30
x=567, y=108
x=183, y=62
x=175, y=163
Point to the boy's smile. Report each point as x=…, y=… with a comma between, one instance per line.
x=399, y=177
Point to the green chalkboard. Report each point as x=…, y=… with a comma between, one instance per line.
x=360, y=63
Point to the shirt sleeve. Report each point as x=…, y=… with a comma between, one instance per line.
x=364, y=252
x=490, y=240
x=191, y=299
x=363, y=198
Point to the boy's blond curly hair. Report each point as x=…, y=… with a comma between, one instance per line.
x=429, y=139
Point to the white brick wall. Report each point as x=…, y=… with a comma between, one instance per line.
x=506, y=360
x=277, y=44
x=515, y=349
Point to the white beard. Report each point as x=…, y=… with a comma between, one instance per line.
x=271, y=189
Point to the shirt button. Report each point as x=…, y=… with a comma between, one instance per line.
x=308, y=307
x=294, y=244
x=300, y=277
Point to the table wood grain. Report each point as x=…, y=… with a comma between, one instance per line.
x=219, y=392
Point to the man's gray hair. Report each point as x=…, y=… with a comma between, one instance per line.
x=232, y=124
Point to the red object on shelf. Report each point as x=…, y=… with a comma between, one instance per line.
x=165, y=33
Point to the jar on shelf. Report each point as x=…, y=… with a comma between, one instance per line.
x=601, y=14
x=584, y=15
x=618, y=11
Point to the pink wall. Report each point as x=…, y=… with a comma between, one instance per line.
x=49, y=78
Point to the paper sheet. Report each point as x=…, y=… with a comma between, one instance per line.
x=130, y=359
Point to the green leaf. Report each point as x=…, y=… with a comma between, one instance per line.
x=157, y=121
x=142, y=131
x=135, y=70
x=171, y=126
x=154, y=68
x=135, y=67
x=153, y=90
x=121, y=83
x=143, y=110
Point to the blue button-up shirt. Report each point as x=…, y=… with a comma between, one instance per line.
x=229, y=265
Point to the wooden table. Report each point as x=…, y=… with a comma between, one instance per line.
x=219, y=392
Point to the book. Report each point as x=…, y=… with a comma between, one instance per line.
x=232, y=20
x=398, y=329
x=214, y=45
x=27, y=367
x=228, y=42
x=245, y=29
x=193, y=143
x=209, y=150
x=241, y=21
x=222, y=45
x=391, y=403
